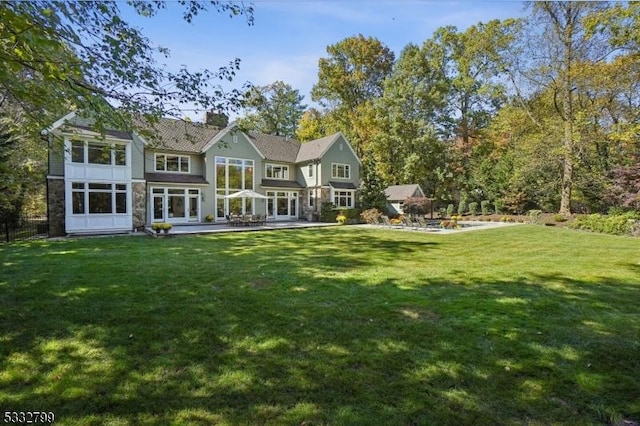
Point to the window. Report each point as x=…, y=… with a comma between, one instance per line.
x=83, y=152
x=312, y=197
x=310, y=170
x=172, y=163
x=77, y=151
x=343, y=198
x=77, y=197
x=274, y=171
x=232, y=175
x=341, y=171
x=99, y=198
x=98, y=153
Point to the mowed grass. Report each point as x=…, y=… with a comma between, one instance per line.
x=341, y=325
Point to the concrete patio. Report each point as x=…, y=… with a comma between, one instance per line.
x=209, y=228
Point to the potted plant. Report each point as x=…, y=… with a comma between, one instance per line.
x=161, y=226
x=209, y=218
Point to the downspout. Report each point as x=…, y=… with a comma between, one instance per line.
x=315, y=204
x=45, y=136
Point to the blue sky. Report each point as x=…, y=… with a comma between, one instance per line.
x=288, y=37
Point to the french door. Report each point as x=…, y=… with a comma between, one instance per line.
x=282, y=205
x=175, y=205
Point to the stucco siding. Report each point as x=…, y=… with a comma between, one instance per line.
x=340, y=153
x=56, y=156
x=137, y=158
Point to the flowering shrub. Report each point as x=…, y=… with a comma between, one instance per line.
x=341, y=218
x=158, y=226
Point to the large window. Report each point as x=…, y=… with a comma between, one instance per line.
x=83, y=152
x=340, y=171
x=343, y=198
x=233, y=175
x=172, y=163
x=98, y=198
x=276, y=171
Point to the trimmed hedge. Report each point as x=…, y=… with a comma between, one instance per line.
x=621, y=224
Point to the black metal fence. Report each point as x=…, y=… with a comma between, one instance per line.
x=23, y=228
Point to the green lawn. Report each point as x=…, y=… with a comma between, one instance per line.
x=341, y=325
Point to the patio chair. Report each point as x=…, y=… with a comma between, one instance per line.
x=422, y=223
x=256, y=219
x=387, y=222
x=409, y=223
x=233, y=220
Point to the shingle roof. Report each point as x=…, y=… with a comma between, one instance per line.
x=276, y=183
x=276, y=148
x=343, y=185
x=401, y=192
x=178, y=135
x=286, y=150
x=314, y=149
x=109, y=132
x=174, y=178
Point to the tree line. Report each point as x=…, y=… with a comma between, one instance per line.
x=534, y=113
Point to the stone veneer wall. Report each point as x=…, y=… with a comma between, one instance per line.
x=307, y=211
x=55, y=201
x=139, y=204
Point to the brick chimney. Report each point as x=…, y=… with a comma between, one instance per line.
x=217, y=119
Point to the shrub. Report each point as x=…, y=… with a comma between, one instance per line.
x=371, y=215
x=328, y=212
x=341, y=218
x=449, y=210
x=209, y=218
x=623, y=224
x=497, y=206
x=462, y=206
x=534, y=215
x=352, y=215
x=484, y=207
x=473, y=208
x=416, y=205
x=559, y=218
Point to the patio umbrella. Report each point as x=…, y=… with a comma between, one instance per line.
x=246, y=193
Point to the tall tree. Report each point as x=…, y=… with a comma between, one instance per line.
x=86, y=54
x=22, y=167
x=473, y=62
x=348, y=81
x=556, y=44
x=406, y=148
x=274, y=109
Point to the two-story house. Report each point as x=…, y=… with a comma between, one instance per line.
x=119, y=181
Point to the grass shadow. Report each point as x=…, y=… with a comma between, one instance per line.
x=320, y=326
